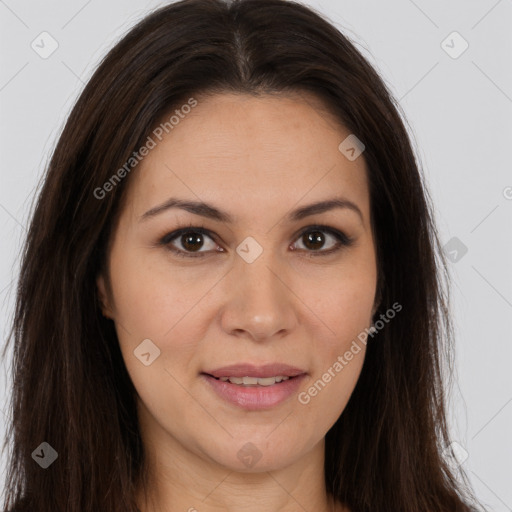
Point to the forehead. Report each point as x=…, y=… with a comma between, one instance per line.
x=256, y=154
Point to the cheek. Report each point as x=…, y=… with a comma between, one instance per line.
x=339, y=358
x=345, y=308
x=153, y=303
x=163, y=304
x=327, y=394
x=344, y=304
x=150, y=295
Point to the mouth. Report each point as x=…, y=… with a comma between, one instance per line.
x=254, y=381
x=243, y=370
x=255, y=388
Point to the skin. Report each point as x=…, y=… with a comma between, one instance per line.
x=257, y=158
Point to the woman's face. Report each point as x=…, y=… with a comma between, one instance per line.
x=260, y=290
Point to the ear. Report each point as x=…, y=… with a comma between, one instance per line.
x=106, y=309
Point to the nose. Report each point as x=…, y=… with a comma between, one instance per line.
x=261, y=304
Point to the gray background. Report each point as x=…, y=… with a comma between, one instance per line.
x=459, y=111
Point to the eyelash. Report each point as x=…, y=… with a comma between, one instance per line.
x=342, y=240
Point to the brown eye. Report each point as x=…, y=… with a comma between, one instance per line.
x=315, y=238
x=188, y=242
x=192, y=241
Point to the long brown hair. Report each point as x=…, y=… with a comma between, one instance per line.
x=70, y=385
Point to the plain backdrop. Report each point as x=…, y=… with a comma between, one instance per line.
x=458, y=102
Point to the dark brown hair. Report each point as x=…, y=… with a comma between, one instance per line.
x=70, y=385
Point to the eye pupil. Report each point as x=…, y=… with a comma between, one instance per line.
x=314, y=237
x=188, y=240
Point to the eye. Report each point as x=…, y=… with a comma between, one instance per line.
x=187, y=242
x=314, y=239
x=190, y=238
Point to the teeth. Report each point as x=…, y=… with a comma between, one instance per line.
x=254, y=381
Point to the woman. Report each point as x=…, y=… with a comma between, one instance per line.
x=229, y=296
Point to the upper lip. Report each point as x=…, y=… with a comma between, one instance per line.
x=250, y=370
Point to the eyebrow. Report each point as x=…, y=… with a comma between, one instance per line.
x=211, y=212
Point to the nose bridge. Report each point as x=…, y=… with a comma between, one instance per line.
x=260, y=302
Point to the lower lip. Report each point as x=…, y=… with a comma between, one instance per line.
x=256, y=397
